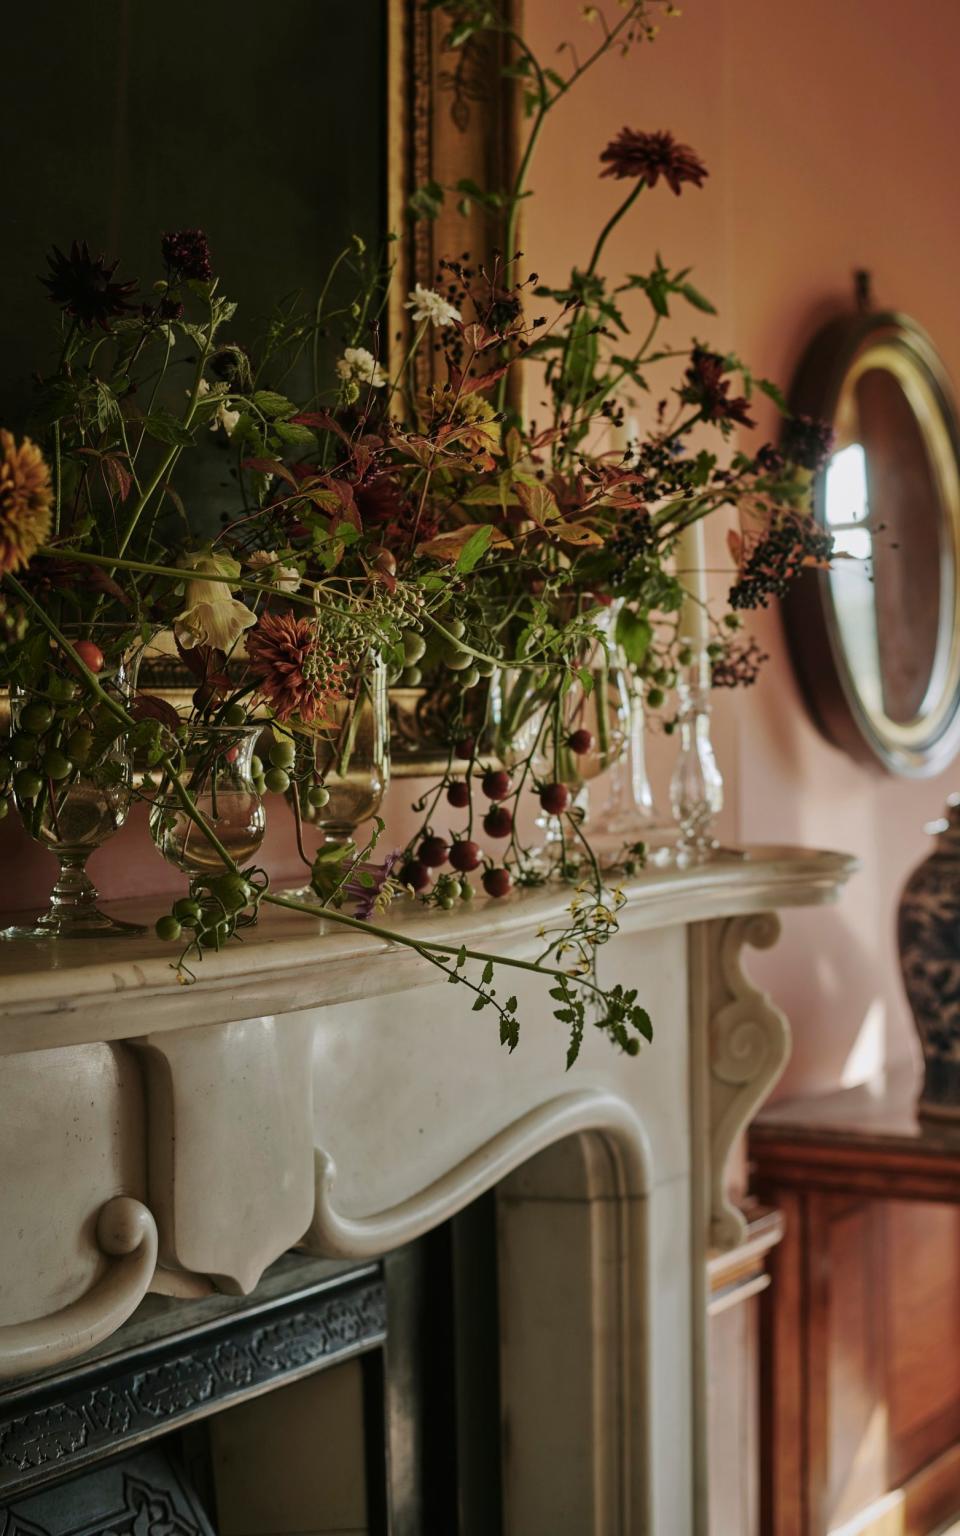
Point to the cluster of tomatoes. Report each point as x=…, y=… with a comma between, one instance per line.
x=465, y=856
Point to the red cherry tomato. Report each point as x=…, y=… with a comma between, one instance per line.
x=465, y=856
x=90, y=654
x=554, y=798
x=497, y=882
x=498, y=822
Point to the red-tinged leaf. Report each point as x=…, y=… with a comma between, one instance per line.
x=119, y=474
x=483, y=380
x=349, y=511
x=539, y=503
x=271, y=467
x=447, y=546
x=325, y=421
x=577, y=534
x=149, y=706
x=170, y=490
x=475, y=336
x=735, y=546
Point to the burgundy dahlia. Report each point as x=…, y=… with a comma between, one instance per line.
x=187, y=254
x=83, y=285
x=294, y=672
x=650, y=156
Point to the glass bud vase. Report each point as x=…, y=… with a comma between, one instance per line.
x=217, y=774
x=349, y=761
x=570, y=737
x=352, y=756
x=72, y=784
x=696, y=789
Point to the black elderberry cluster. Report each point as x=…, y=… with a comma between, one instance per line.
x=738, y=666
x=777, y=559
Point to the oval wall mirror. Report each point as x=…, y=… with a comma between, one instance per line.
x=876, y=638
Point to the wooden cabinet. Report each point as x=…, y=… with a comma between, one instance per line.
x=860, y=1327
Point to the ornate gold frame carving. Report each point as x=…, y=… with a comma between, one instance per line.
x=450, y=117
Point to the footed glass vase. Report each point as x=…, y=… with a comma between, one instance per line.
x=217, y=774
x=72, y=769
x=347, y=770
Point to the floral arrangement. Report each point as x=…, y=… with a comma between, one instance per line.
x=380, y=527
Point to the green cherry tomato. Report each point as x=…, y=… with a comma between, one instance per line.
x=457, y=661
x=455, y=627
x=470, y=678
x=282, y=753
x=318, y=796
x=62, y=690
x=411, y=677
x=186, y=910
x=235, y=715
x=56, y=765
x=232, y=890
x=80, y=744
x=27, y=783
x=414, y=646
x=36, y=717
x=654, y=697
x=277, y=780
x=256, y=767
x=167, y=928
x=22, y=747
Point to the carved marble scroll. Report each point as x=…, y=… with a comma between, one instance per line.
x=749, y=1045
x=335, y=1235
x=127, y=1234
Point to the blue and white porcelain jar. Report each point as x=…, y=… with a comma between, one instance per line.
x=928, y=933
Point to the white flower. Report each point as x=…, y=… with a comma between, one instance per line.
x=211, y=616
x=427, y=304
x=358, y=366
x=286, y=577
x=223, y=417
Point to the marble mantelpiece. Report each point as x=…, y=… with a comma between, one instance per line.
x=315, y=1086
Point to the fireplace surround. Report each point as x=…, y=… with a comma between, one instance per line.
x=319, y=1090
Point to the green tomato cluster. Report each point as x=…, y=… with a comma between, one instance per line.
x=211, y=913
x=58, y=735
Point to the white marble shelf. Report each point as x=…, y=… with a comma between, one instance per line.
x=70, y=993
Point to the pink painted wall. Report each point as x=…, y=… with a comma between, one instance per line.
x=830, y=132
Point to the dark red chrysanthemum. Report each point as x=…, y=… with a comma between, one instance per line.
x=83, y=285
x=708, y=388
x=650, y=156
x=294, y=672
x=187, y=254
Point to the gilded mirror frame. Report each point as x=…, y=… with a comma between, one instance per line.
x=837, y=358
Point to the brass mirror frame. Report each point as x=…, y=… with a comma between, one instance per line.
x=836, y=357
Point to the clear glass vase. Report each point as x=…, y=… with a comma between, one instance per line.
x=349, y=759
x=217, y=774
x=570, y=735
x=72, y=784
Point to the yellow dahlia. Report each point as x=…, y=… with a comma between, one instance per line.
x=26, y=498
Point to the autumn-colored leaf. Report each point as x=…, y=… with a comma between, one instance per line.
x=577, y=534
x=149, y=706
x=539, y=503
x=271, y=467
x=447, y=546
